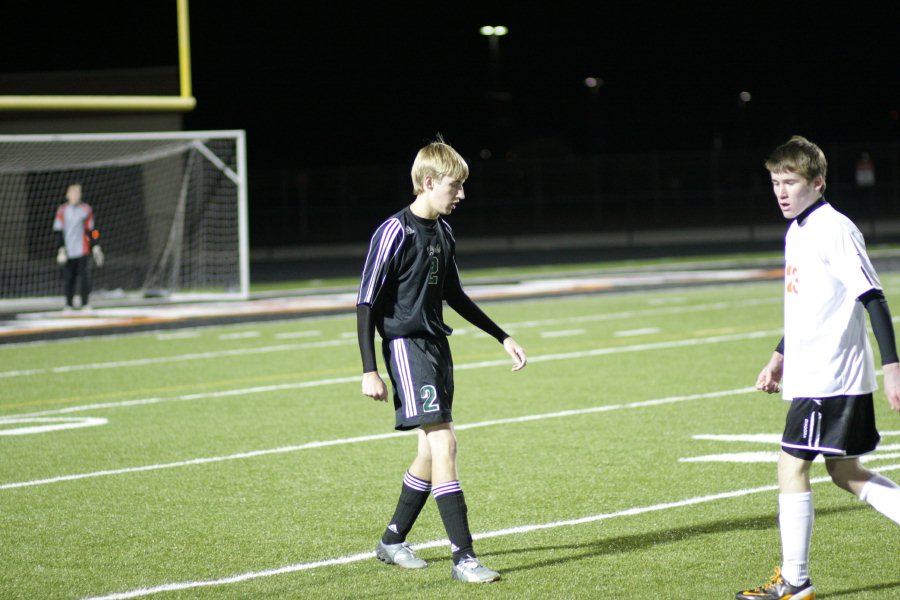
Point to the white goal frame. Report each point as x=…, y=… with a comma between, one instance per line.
x=237, y=175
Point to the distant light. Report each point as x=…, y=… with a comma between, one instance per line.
x=745, y=96
x=593, y=82
x=494, y=30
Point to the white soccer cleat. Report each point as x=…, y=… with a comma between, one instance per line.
x=472, y=571
x=399, y=554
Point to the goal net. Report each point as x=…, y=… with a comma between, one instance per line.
x=170, y=208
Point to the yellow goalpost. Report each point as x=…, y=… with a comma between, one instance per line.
x=184, y=102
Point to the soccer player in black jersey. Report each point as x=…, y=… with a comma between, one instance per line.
x=410, y=271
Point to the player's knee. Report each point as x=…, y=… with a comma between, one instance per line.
x=846, y=474
x=841, y=482
x=445, y=449
x=444, y=455
x=423, y=454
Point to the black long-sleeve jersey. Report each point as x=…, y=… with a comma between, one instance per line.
x=410, y=270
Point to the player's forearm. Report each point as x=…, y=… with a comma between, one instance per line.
x=365, y=331
x=882, y=326
x=470, y=311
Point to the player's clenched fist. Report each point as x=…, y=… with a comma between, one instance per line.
x=373, y=386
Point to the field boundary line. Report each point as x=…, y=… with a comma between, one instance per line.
x=141, y=362
x=368, y=438
x=522, y=529
x=326, y=343
x=356, y=378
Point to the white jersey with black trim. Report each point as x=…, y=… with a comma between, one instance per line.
x=826, y=344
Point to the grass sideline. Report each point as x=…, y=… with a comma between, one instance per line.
x=242, y=462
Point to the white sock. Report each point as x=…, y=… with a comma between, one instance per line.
x=795, y=521
x=884, y=496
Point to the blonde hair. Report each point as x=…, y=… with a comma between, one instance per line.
x=438, y=159
x=799, y=155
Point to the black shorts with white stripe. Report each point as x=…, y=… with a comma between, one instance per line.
x=836, y=427
x=421, y=371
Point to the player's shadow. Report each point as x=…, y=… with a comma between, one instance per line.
x=641, y=541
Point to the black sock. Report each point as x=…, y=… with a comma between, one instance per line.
x=454, y=513
x=412, y=498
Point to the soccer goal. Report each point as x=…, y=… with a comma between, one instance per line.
x=170, y=208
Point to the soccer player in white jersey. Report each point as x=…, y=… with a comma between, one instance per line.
x=824, y=364
x=409, y=273
x=77, y=240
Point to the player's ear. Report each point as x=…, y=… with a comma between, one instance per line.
x=818, y=183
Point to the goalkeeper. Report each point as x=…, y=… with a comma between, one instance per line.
x=77, y=241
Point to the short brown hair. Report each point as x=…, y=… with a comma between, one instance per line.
x=799, y=155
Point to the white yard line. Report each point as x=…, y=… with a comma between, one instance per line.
x=648, y=312
x=45, y=425
x=635, y=332
x=297, y=334
x=367, y=438
x=562, y=333
x=165, y=336
x=460, y=367
x=519, y=530
x=139, y=362
x=240, y=335
x=289, y=347
x=188, y=397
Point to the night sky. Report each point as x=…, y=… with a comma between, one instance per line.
x=321, y=84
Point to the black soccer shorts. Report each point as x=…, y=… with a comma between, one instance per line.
x=421, y=371
x=836, y=427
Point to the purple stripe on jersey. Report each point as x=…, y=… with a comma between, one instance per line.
x=386, y=235
x=413, y=482
x=401, y=359
x=866, y=275
x=451, y=487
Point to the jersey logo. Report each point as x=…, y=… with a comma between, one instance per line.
x=792, y=280
x=409, y=230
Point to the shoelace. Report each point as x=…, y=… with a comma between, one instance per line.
x=776, y=579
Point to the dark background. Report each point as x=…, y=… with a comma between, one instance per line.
x=346, y=82
x=333, y=88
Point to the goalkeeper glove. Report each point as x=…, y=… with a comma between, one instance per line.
x=61, y=257
x=98, y=256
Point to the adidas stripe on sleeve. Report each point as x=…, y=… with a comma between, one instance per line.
x=384, y=244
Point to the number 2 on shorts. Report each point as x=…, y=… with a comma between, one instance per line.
x=430, y=398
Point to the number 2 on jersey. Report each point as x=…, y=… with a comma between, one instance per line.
x=433, y=273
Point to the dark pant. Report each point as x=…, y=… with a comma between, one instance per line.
x=75, y=268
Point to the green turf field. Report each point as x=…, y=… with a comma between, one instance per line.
x=243, y=462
